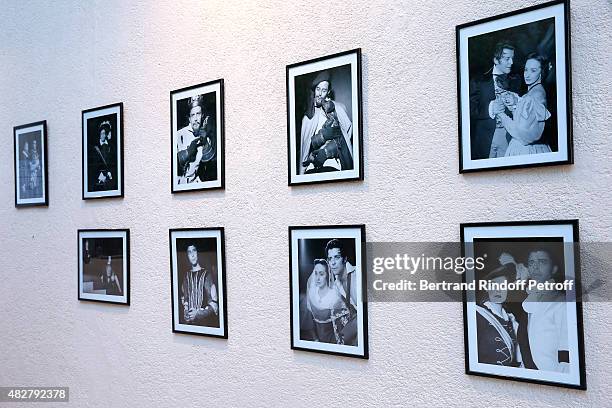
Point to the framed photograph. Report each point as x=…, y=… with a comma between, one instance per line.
x=30, y=153
x=327, y=281
x=104, y=265
x=324, y=119
x=523, y=315
x=197, y=275
x=197, y=129
x=514, y=89
x=103, y=152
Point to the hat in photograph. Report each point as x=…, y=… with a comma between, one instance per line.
x=508, y=270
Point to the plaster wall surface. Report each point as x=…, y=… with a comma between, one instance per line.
x=62, y=57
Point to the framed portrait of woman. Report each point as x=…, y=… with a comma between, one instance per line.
x=324, y=119
x=104, y=265
x=197, y=276
x=514, y=89
x=328, y=308
x=103, y=151
x=30, y=153
x=522, y=313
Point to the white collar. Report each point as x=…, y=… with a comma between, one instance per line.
x=496, y=71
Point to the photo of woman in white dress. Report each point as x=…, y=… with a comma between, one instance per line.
x=529, y=112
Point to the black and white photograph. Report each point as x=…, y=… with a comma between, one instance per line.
x=523, y=318
x=514, y=85
x=197, y=263
x=30, y=160
x=197, y=137
x=104, y=265
x=328, y=310
x=324, y=119
x=103, y=152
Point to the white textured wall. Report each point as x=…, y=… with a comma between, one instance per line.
x=58, y=59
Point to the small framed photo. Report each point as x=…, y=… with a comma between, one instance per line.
x=514, y=87
x=328, y=307
x=197, y=275
x=103, y=152
x=104, y=265
x=30, y=152
x=324, y=119
x=197, y=129
x=523, y=313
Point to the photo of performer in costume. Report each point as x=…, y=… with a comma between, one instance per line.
x=529, y=112
x=329, y=312
x=102, y=158
x=488, y=91
x=104, y=265
x=30, y=168
x=109, y=280
x=196, y=146
x=198, y=293
x=326, y=132
x=497, y=328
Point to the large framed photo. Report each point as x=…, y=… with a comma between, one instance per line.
x=104, y=265
x=324, y=119
x=197, y=137
x=327, y=280
x=30, y=153
x=197, y=275
x=103, y=152
x=514, y=89
x=523, y=315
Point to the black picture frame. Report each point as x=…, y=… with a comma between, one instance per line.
x=100, y=233
x=17, y=165
x=574, y=225
x=116, y=110
x=562, y=152
x=198, y=233
x=293, y=176
x=359, y=248
x=216, y=86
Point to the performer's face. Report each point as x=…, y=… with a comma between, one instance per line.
x=540, y=266
x=192, y=255
x=321, y=92
x=504, y=63
x=195, y=118
x=533, y=69
x=103, y=136
x=336, y=261
x=498, y=296
x=109, y=270
x=320, y=275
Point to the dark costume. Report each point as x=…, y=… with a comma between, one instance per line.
x=102, y=167
x=497, y=341
x=482, y=126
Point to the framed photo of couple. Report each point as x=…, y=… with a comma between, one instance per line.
x=514, y=89
x=30, y=161
x=523, y=317
x=197, y=276
x=328, y=310
x=324, y=119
